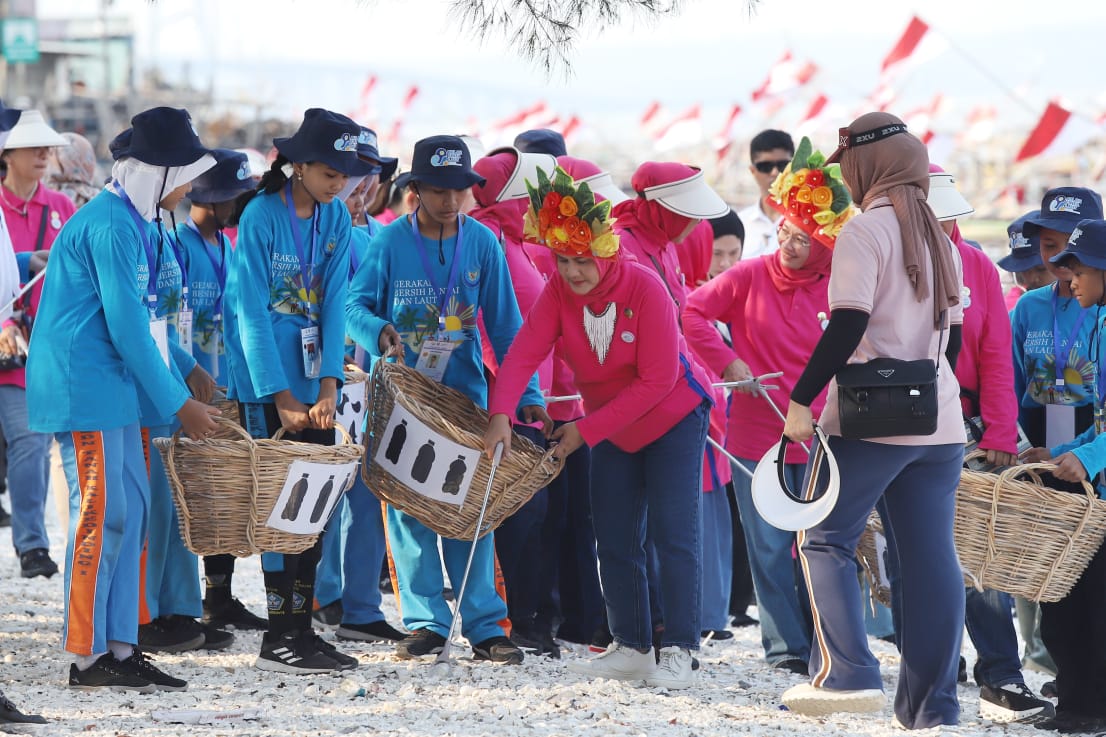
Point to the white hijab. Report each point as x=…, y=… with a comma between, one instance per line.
x=146, y=184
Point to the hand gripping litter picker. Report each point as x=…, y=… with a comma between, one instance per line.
x=758, y=388
x=443, y=656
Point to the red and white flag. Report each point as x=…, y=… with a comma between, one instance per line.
x=920, y=120
x=979, y=126
x=570, y=128
x=918, y=44
x=787, y=74
x=727, y=127
x=683, y=130
x=409, y=98
x=1058, y=132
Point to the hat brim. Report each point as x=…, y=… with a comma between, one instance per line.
x=526, y=169
x=1016, y=263
x=691, y=197
x=947, y=203
x=297, y=153
x=388, y=167
x=1032, y=226
x=1065, y=257
x=457, y=179
x=780, y=509
x=36, y=138
x=171, y=157
x=603, y=184
x=9, y=117
x=215, y=196
x=835, y=157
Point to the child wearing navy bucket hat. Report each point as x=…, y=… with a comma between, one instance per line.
x=442, y=267
x=1024, y=261
x=203, y=250
x=100, y=358
x=285, y=334
x=1073, y=629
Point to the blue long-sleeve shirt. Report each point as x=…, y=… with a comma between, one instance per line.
x=1034, y=346
x=92, y=350
x=393, y=288
x=203, y=263
x=263, y=305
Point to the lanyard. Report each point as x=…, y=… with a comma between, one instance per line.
x=453, y=272
x=1062, y=349
x=153, y=259
x=220, y=266
x=307, y=268
x=175, y=245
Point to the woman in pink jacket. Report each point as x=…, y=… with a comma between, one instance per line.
x=646, y=413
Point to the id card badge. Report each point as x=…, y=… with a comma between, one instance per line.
x=184, y=329
x=312, y=348
x=433, y=357
x=1059, y=424
x=159, y=330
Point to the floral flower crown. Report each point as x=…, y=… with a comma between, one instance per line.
x=812, y=196
x=567, y=218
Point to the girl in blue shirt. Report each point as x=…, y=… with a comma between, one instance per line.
x=285, y=334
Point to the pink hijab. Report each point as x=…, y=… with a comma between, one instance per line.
x=651, y=220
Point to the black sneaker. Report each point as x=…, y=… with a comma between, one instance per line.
x=1013, y=702
x=5, y=518
x=345, y=662
x=215, y=638
x=109, y=673
x=1070, y=723
x=1049, y=690
x=717, y=634
x=11, y=715
x=419, y=644
x=379, y=631
x=743, y=620
x=293, y=652
x=140, y=664
x=328, y=617
x=170, y=634
x=233, y=614
x=37, y=562
x=962, y=671
x=798, y=666
x=497, y=649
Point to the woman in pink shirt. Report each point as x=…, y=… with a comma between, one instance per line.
x=646, y=414
x=774, y=306
x=35, y=215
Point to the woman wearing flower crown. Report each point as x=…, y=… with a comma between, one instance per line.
x=646, y=423
x=774, y=305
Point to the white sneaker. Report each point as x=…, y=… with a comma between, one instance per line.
x=676, y=669
x=617, y=661
x=817, y=701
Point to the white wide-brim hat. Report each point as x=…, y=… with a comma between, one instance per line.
x=782, y=508
x=603, y=184
x=526, y=169
x=32, y=131
x=945, y=199
x=691, y=197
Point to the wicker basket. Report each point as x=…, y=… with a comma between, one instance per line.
x=225, y=490
x=868, y=555
x=524, y=471
x=1017, y=536
x=229, y=411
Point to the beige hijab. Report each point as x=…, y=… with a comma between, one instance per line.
x=897, y=167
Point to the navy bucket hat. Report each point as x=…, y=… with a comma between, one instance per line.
x=160, y=136
x=1087, y=245
x=327, y=138
x=1025, y=249
x=367, y=148
x=443, y=161
x=9, y=116
x=541, y=141
x=226, y=180
x=1062, y=208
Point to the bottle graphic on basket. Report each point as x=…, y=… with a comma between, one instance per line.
x=295, y=499
x=424, y=461
x=454, y=476
x=395, y=445
x=320, y=503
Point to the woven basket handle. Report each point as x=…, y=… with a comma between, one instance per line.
x=346, y=439
x=1030, y=469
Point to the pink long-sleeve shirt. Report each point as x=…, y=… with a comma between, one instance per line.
x=641, y=389
x=984, y=365
x=771, y=331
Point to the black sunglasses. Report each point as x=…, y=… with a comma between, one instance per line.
x=767, y=167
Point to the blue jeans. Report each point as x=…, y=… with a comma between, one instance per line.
x=655, y=490
x=785, y=631
x=28, y=471
x=717, y=559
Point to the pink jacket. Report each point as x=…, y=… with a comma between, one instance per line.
x=564, y=383
x=642, y=388
x=771, y=331
x=984, y=365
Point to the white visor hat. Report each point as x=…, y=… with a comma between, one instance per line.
x=781, y=507
x=691, y=197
